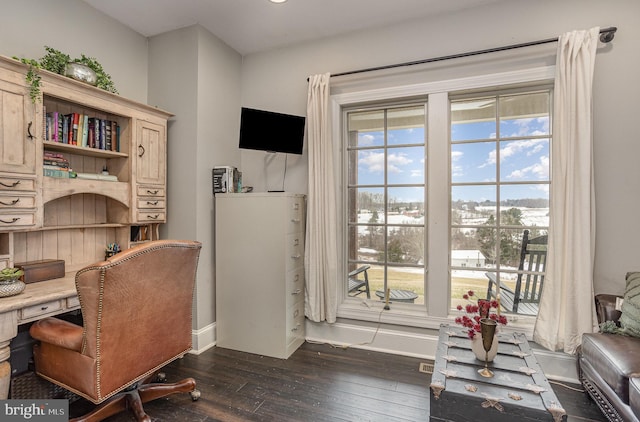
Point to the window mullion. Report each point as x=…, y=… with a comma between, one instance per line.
x=438, y=205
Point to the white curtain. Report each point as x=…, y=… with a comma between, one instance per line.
x=566, y=307
x=321, y=260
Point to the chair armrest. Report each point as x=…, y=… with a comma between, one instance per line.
x=359, y=270
x=606, y=308
x=58, y=332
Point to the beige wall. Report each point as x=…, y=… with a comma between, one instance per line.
x=75, y=28
x=196, y=76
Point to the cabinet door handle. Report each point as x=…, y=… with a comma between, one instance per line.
x=141, y=149
x=13, y=220
x=44, y=308
x=29, y=135
x=153, y=217
x=296, y=327
x=15, y=201
x=295, y=256
x=152, y=192
x=295, y=220
x=152, y=202
x=296, y=292
x=13, y=185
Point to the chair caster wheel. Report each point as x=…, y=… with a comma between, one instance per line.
x=195, y=395
x=161, y=377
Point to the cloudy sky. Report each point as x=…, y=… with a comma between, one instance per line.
x=524, y=157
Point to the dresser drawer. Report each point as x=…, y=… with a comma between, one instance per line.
x=10, y=220
x=295, y=322
x=17, y=184
x=295, y=286
x=13, y=201
x=41, y=309
x=294, y=250
x=151, y=216
x=146, y=203
x=154, y=191
x=295, y=222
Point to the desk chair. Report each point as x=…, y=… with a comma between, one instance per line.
x=136, y=309
x=525, y=298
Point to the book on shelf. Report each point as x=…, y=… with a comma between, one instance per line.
x=56, y=173
x=85, y=130
x=107, y=135
x=65, y=128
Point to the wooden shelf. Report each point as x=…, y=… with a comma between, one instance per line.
x=75, y=149
x=54, y=188
x=84, y=226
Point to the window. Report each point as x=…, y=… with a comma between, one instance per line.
x=440, y=181
x=500, y=179
x=386, y=197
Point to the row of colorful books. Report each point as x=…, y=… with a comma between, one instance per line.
x=82, y=130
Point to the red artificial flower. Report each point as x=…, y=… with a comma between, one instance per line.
x=476, y=311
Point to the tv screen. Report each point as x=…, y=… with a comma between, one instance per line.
x=269, y=131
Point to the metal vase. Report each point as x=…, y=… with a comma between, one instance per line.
x=488, y=331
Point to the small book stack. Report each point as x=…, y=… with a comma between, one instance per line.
x=55, y=165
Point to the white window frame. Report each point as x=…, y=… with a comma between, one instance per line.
x=437, y=293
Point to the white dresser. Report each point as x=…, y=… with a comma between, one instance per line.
x=260, y=272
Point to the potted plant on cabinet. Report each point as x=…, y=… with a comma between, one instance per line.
x=10, y=283
x=85, y=69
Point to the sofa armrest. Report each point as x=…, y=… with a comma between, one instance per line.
x=606, y=308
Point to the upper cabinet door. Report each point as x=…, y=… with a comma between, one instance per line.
x=17, y=130
x=151, y=150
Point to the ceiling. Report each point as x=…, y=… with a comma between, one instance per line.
x=251, y=26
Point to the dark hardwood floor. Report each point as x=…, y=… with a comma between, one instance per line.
x=317, y=383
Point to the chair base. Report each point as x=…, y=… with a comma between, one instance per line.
x=132, y=399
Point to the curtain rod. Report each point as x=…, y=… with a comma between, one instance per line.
x=606, y=36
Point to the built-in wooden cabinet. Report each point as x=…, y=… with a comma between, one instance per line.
x=76, y=218
x=151, y=151
x=17, y=125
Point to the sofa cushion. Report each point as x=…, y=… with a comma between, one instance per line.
x=634, y=396
x=616, y=358
x=630, y=318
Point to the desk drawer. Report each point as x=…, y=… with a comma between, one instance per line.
x=144, y=203
x=73, y=302
x=41, y=309
x=13, y=201
x=151, y=216
x=15, y=219
x=153, y=191
x=17, y=184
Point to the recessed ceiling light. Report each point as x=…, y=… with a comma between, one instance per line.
x=277, y=1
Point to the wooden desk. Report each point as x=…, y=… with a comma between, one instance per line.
x=37, y=301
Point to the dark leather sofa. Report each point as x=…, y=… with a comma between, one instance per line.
x=609, y=367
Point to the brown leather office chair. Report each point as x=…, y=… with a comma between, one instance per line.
x=136, y=310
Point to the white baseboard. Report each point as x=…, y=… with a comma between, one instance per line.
x=203, y=339
x=556, y=366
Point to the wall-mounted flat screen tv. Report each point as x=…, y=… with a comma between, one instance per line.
x=269, y=131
